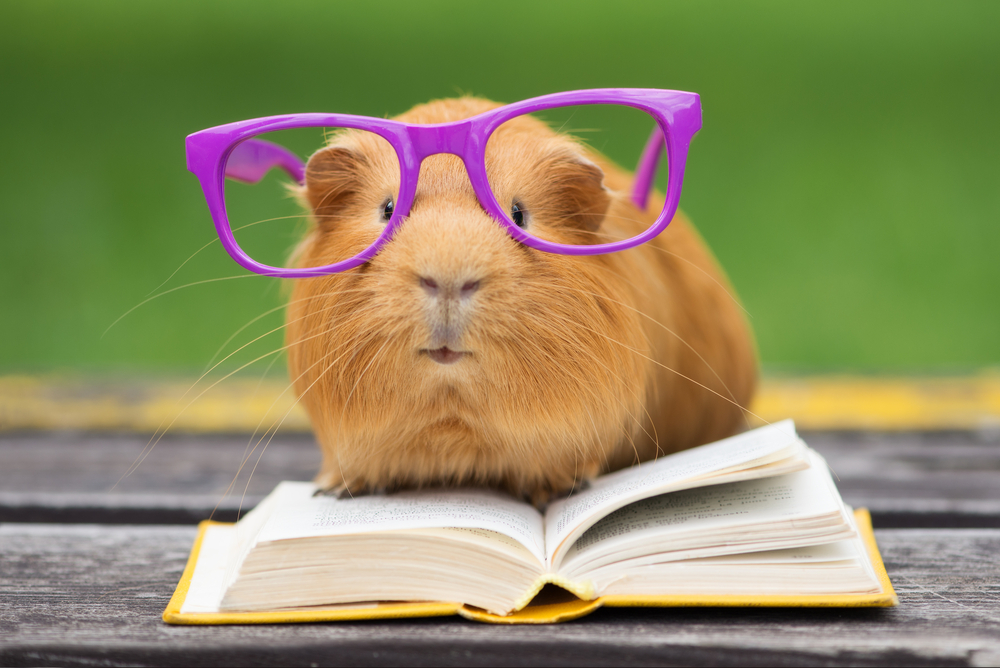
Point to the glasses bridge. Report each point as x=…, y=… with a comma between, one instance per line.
x=428, y=140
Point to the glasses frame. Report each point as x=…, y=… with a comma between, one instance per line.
x=231, y=151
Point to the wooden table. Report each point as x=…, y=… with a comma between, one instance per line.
x=86, y=572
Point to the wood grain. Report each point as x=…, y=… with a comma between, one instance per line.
x=913, y=479
x=85, y=595
x=938, y=479
x=70, y=477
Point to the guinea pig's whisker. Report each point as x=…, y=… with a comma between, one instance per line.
x=566, y=334
x=247, y=452
x=209, y=367
x=267, y=370
x=731, y=296
x=666, y=329
x=276, y=329
x=274, y=426
x=350, y=344
x=674, y=334
x=626, y=386
x=251, y=342
x=179, y=287
x=597, y=438
x=675, y=371
x=272, y=220
x=688, y=262
x=215, y=240
x=586, y=382
x=161, y=430
x=628, y=280
x=260, y=382
x=343, y=411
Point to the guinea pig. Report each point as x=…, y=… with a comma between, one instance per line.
x=458, y=356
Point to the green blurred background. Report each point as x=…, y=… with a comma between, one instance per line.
x=847, y=176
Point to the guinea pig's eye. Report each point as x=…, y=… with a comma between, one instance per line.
x=387, y=209
x=517, y=214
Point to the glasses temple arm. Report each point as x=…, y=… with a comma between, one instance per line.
x=645, y=171
x=252, y=159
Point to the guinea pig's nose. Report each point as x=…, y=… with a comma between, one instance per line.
x=437, y=287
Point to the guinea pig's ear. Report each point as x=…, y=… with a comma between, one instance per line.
x=578, y=191
x=333, y=180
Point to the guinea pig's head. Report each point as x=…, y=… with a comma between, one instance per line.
x=457, y=355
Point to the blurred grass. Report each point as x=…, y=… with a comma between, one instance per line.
x=847, y=175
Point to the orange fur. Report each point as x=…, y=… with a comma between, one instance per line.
x=572, y=365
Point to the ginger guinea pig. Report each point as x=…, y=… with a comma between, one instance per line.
x=458, y=356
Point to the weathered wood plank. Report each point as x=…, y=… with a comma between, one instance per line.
x=83, y=594
x=906, y=479
x=70, y=477
x=917, y=479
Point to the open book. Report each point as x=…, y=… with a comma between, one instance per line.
x=754, y=519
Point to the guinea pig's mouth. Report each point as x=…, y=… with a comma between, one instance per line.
x=445, y=355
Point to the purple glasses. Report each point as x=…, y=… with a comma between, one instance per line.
x=245, y=152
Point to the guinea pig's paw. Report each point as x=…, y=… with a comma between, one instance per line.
x=336, y=491
x=541, y=497
x=590, y=472
x=345, y=491
x=357, y=487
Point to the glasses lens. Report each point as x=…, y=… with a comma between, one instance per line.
x=310, y=197
x=565, y=174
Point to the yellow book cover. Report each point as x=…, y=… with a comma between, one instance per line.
x=538, y=611
x=754, y=520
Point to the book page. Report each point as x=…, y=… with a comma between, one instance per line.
x=298, y=514
x=837, y=568
x=722, y=518
x=212, y=574
x=846, y=549
x=488, y=540
x=567, y=518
